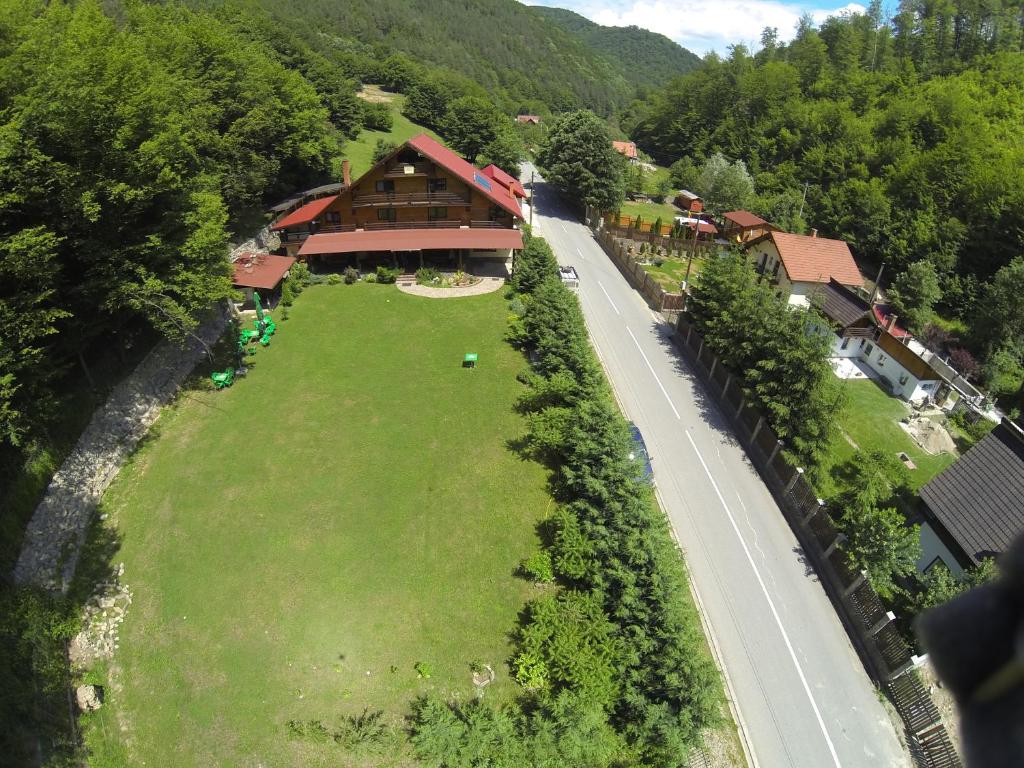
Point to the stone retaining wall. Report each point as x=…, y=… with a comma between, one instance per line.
x=57, y=529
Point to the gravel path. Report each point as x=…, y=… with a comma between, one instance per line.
x=57, y=529
x=486, y=285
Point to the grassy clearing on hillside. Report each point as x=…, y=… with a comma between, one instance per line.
x=297, y=543
x=359, y=151
x=871, y=419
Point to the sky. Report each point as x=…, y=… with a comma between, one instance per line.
x=705, y=25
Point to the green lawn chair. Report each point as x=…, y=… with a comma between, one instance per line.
x=222, y=379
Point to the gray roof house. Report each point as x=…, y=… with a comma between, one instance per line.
x=976, y=506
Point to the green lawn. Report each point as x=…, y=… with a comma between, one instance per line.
x=672, y=271
x=359, y=151
x=871, y=419
x=297, y=543
x=650, y=211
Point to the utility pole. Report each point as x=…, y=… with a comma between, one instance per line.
x=802, y=201
x=693, y=252
x=532, y=197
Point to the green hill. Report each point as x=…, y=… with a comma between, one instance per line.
x=645, y=58
x=502, y=45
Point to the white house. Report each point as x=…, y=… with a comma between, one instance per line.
x=802, y=264
x=858, y=335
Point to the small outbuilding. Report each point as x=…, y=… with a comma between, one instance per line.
x=688, y=201
x=263, y=272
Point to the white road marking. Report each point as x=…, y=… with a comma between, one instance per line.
x=650, y=368
x=580, y=252
x=609, y=298
x=771, y=604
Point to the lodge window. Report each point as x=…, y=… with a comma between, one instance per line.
x=437, y=185
x=437, y=214
x=881, y=359
x=497, y=213
x=775, y=269
x=385, y=214
x=869, y=350
x=384, y=185
x=332, y=217
x=846, y=343
x=903, y=380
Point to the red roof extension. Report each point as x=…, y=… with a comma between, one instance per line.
x=882, y=314
x=261, y=270
x=451, y=162
x=411, y=240
x=307, y=213
x=506, y=180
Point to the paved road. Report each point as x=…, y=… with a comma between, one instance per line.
x=799, y=686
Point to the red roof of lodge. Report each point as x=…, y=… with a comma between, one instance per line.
x=305, y=213
x=628, y=148
x=411, y=240
x=744, y=218
x=505, y=179
x=451, y=162
x=261, y=270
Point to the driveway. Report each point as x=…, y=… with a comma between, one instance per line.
x=799, y=689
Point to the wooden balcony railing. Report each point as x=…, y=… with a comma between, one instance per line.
x=409, y=198
x=443, y=224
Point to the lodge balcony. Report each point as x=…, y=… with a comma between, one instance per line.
x=389, y=199
x=330, y=229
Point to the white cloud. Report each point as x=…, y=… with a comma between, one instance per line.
x=705, y=25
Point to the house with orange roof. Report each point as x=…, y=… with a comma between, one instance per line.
x=421, y=204
x=801, y=265
x=627, y=149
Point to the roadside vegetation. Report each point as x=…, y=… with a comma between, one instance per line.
x=853, y=128
x=845, y=434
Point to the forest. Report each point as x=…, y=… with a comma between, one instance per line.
x=900, y=136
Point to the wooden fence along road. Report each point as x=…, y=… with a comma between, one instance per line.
x=886, y=655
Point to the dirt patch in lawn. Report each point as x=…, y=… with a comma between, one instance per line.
x=375, y=95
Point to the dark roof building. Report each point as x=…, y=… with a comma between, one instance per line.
x=977, y=504
x=841, y=305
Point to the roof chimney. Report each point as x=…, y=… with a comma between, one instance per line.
x=891, y=322
x=814, y=232
x=346, y=175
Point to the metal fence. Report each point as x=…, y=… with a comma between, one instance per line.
x=886, y=655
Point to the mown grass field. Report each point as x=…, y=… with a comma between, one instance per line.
x=871, y=419
x=359, y=151
x=297, y=543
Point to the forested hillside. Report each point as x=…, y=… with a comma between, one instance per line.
x=906, y=133
x=522, y=61
x=645, y=58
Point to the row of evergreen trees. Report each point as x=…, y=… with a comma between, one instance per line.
x=613, y=660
